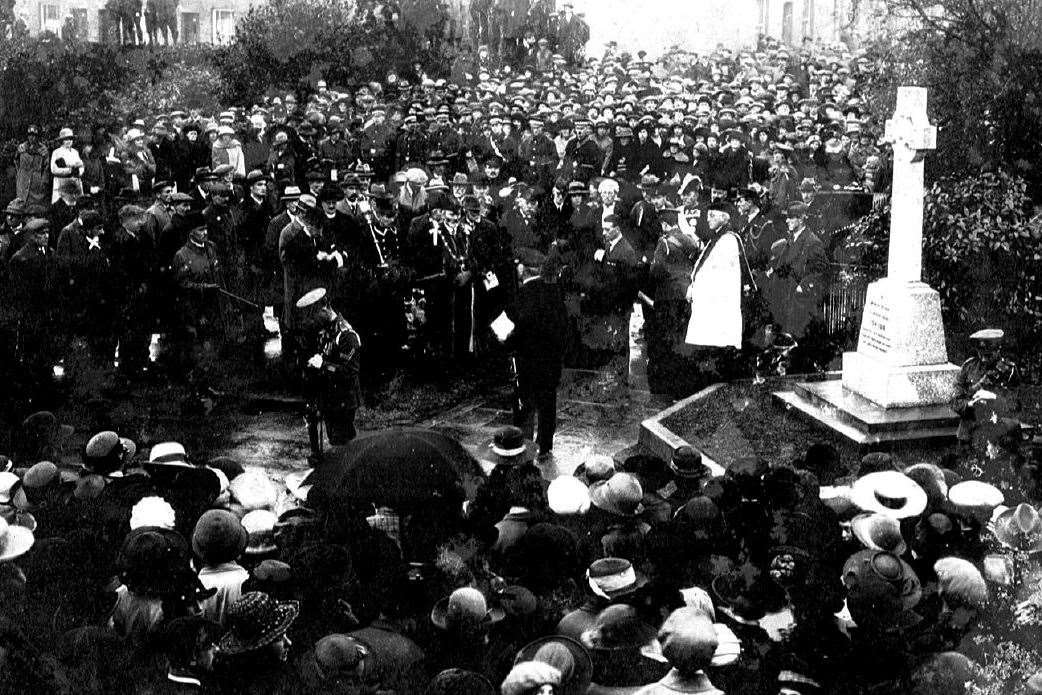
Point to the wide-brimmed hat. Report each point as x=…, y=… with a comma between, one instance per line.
x=256, y=620
x=620, y=494
x=890, y=493
x=508, y=447
x=219, y=537
x=1019, y=528
x=619, y=626
x=253, y=489
x=879, y=532
x=687, y=463
x=260, y=525
x=872, y=571
x=465, y=609
x=975, y=496
x=611, y=577
x=14, y=540
x=17, y=206
x=566, y=655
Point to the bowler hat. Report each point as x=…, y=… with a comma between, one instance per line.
x=508, y=447
x=687, y=463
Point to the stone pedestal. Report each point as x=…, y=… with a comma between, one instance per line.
x=902, y=359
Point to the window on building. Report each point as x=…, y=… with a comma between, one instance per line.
x=223, y=26
x=50, y=18
x=80, y=21
x=190, y=27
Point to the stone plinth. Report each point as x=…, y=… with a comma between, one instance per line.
x=902, y=359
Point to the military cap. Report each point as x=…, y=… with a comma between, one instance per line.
x=577, y=188
x=290, y=193
x=220, y=188
x=176, y=198
x=988, y=335
x=315, y=175
x=161, y=184
x=204, y=174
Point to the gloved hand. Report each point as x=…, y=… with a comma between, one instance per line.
x=315, y=361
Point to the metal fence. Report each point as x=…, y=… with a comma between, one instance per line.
x=845, y=298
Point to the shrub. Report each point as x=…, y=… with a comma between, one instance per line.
x=981, y=252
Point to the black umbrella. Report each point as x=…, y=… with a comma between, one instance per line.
x=400, y=467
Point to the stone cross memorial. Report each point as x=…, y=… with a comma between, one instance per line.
x=902, y=359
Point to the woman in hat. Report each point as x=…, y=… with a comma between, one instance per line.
x=66, y=164
x=255, y=650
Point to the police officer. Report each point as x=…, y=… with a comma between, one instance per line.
x=330, y=362
x=984, y=384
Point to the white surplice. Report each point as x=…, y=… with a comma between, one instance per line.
x=715, y=295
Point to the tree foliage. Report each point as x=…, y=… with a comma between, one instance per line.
x=982, y=62
x=980, y=251
x=290, y=44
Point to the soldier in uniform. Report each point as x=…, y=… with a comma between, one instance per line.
x=984, y=384
x=330, y=363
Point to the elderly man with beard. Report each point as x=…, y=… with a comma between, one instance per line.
x=715, y=292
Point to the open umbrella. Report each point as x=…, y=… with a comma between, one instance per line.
x=400, y=467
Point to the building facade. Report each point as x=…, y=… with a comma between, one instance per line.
x=197, y=21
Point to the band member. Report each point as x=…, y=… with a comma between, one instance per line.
x=330, y=364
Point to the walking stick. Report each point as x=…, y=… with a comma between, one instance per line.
x=241, y=300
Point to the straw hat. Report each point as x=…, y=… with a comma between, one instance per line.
x=890, y=493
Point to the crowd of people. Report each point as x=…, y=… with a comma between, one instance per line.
x=164, y=573
x=708, y=189
x=524, y=205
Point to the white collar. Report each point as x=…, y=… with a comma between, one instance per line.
x=528, y=280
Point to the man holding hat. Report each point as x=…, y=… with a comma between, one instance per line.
x=331, y=348
x=537, y=339
x=984, y=383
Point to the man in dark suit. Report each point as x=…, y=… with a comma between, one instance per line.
x=133, y=267
x=538, y=342
x=797, y=271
